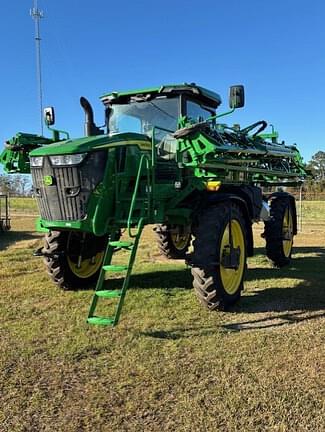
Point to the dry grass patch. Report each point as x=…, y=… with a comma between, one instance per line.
x=170, y=365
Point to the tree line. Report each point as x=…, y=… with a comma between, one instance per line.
x=15, y=184
x=314, y=187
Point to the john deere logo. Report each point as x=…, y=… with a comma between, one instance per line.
x=48, y=180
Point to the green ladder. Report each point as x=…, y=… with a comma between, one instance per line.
x=116, y=295
x=115, y=244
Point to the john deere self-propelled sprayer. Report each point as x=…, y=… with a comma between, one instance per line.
x=163, y=158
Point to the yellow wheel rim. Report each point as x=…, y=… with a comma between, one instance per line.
x=180, y=241
x=88, y=266
x=231, y=278
x=287, y=232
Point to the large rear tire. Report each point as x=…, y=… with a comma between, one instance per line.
x=173, y=240
x=217, y=268
x=73, y=260
x=279, y=231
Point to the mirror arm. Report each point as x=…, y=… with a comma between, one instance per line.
x=220, y=115
x=56, y=133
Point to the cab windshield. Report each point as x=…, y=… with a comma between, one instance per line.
x=142, y=117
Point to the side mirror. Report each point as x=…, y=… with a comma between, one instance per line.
x=236, y=96
x=49, y=116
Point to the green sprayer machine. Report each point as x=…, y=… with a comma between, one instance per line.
x=163, y=158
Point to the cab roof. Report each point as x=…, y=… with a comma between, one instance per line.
x=202, y=94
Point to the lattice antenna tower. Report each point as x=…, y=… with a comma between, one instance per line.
x=37, y=15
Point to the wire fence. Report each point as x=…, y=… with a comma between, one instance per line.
x=306, y=195
x=299, y=192
x=310, y=206
x=310, y=196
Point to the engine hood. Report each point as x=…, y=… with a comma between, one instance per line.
x=86, y=144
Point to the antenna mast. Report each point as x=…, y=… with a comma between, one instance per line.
x=37, y=14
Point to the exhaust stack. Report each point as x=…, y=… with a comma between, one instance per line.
x=90, y=126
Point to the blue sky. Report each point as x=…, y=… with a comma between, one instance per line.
x=276, y=49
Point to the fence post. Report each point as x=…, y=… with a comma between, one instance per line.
x=300, y=209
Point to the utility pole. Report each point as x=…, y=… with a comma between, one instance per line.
x=37, y=14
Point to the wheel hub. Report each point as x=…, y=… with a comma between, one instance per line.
x=230, y=258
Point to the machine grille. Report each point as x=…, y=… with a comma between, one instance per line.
x=67, y=196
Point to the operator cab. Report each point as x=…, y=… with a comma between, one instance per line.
x=157, y=111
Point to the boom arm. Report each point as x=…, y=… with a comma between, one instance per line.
x=232, y=153
x=15, y=156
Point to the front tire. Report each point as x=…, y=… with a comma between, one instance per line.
x=73, y=260
x=279, y=231
x=173, y=240
x=217, y=268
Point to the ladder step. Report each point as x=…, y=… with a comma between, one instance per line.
x=115, y=268
x=97, y=320
x=108, y=293
x=121, y=244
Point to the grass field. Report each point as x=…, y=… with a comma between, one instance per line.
x=170, y=365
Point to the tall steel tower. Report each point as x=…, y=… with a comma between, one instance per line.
x=37, y=14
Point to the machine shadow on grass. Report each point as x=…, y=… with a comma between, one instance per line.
x=7, y=238
x=305, y=301
x=161, y=279
x=283, y=305
x=300, y=267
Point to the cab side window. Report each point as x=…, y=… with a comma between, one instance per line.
x=196, y=112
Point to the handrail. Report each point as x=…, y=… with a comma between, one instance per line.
x=134, y=196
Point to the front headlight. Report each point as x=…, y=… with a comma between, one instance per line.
x=36, y=161
x=73, y=159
